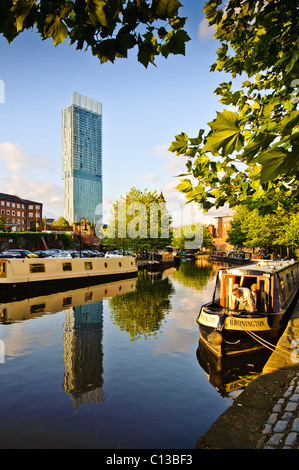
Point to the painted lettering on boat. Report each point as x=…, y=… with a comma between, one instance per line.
x=246, y=323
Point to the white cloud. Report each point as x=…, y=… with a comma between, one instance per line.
x=205, y=32
x=17, y=178
x=18, y=159
x=152, y=178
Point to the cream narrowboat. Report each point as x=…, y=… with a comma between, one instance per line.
x=58, y=273
x=227, y=328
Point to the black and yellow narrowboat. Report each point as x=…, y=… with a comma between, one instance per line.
x=227, y=328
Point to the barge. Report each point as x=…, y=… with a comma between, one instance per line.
x=162, y=260
x=31, y=273
x=237, y=257
x=229, y=329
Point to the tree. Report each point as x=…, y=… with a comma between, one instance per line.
x=271, y=232
x=187, y=235
x=249, y=156
x=108, y=27
x=61, y=222
x=139, y=221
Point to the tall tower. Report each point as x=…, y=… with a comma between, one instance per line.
x=82, y=158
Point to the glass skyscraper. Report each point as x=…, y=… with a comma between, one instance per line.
x=82, y=158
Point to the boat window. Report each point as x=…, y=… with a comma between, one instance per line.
x=286, y=284
x=67, y=266
x=88, y=265
x=119, y=265
x=88, y=296
x=2, y=269
x=216, y=297
x=37, y=268
x=262, y=298
x=67, y=301
x=228, y=291
x=37, y=308
x=106, y=265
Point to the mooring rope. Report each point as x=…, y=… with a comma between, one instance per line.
x=260, y=340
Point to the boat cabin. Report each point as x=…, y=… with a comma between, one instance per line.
x=275, y=285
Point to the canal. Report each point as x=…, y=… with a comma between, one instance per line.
x=115, y=366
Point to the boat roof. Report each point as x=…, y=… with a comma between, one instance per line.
x=261, y=266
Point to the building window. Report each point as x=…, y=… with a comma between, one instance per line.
x=31, y=214
x=8, y=212
x=30, y=207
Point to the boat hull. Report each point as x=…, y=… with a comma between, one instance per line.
x=238, y=334
x=62, y=273
x=226, y=342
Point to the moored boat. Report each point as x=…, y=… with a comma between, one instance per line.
x=19, y=274
x=162, y=260
x=231, y=256
x=227, y=330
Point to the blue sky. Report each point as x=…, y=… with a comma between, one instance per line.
x=143, y=109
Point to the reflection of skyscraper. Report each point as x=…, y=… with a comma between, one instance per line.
x=83, y=354
x=82, y=158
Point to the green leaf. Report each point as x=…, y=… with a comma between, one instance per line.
x=289, y=122
x=184, y=186
x=176, y=41
x=22, y=8
x=97, y=12
x=225, y=135
x=272, y=162
x=166, y=8
x=56, y=29
x=180, y=145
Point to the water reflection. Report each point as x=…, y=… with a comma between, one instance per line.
x=142, y=312
x=134, y=380
x=26, y=309
x=83, y=353
x=231, y=373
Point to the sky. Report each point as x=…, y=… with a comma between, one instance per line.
x=143, y=110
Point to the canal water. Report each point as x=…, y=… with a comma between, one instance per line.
x=115, y=366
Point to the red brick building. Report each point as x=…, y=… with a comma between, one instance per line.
x=20, y=214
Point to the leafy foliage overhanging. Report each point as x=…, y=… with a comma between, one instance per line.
x=250, y=155
x=109, y=27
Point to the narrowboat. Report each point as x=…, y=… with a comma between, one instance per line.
x=218, y=255
x=161, y=260
x=31, y=273
x=227, y=328
x=232, y=256
x=238, y=257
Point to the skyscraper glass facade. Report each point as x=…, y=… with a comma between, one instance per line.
x=82, y=158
